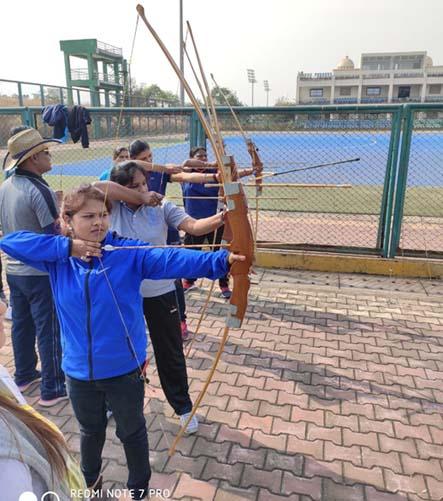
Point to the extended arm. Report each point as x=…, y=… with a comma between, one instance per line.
x=151, y=167
x=202, y=226
x=176, y=263
x=194, y=177
x=116, y=191
x=245, y=172
x=36, y=249
x=195, y=163
x=39, y=250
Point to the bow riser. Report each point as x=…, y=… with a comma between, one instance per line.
x=257, y=164
x=238, y=233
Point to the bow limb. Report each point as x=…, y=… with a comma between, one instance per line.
x=257, y=165
x=238, y=232
x=203, y=391
x=208, y=92
x=252, y=149
x=207, y=128
x=237, y=219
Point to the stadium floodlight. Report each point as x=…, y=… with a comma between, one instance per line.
x=267, y=90
x=252, y=81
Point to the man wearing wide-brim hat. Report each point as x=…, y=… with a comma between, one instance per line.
x=28, y=203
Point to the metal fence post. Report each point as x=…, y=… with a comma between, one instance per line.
x=197, y=136
x=402, y=178
x=42, y=95
x=384, y=228
x=20, y=94
x=27, y=117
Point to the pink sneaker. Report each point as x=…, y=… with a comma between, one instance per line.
x=187, y=285
x=185, y=332
x=26, y=386
x=52, y=401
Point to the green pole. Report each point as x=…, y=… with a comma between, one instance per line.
x=27, y=117
x=68, y=79
x=389, y=185
x=402, y=178
x=197, y=135
x=42, y=95
x=193, y=129
x=20, y=94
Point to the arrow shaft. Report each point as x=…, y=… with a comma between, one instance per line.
x=317, y=166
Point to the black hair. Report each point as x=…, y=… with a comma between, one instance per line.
x=18, y=128
x=193, y=151
x=124, y=172
x=137, y=147
x=118, y=150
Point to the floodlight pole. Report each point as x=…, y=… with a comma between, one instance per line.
x=267, y=89
x=182, y=67
x=252, y=81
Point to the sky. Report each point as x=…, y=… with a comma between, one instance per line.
x=276, y=38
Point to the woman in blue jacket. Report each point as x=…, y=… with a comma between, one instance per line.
x=99, y=306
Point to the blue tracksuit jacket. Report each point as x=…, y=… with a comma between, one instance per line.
x=96, y=344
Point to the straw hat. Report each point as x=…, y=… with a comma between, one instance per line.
x=23, y=145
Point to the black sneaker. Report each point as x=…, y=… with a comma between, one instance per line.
x=226, y=292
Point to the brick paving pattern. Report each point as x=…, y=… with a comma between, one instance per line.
x=331, y=391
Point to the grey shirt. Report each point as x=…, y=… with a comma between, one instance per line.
x=149, y=224
x=26, y=203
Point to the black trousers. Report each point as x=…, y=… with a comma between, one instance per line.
x=194, y=240
x=162, y=316
x=181, y=299
x=125, y=394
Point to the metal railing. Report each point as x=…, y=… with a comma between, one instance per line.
x=16, y=93
x=83, y=74
x=393, y=206
x=109, y=49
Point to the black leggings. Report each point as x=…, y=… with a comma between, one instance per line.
x=163, y=321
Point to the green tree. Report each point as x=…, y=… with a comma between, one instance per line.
x=285, y=101
x=153, y=92
x=230, y=95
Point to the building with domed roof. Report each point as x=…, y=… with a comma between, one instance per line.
x=383, y=77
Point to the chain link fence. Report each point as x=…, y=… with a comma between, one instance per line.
x=19, y=93
x=351, y=212
x=166, y=130
x=420, y=214
x=345, y=212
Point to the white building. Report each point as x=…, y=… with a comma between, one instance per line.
x=383, y=77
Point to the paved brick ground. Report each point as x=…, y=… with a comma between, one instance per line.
x=332, y=391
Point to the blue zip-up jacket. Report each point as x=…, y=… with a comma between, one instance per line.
x=95, y=342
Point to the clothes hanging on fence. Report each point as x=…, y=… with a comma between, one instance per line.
x=56, y=115
x=78, y=120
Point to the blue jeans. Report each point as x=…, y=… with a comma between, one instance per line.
x=34, y=318
x=125, y=396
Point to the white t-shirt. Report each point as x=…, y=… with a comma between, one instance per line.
x=149, y=224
